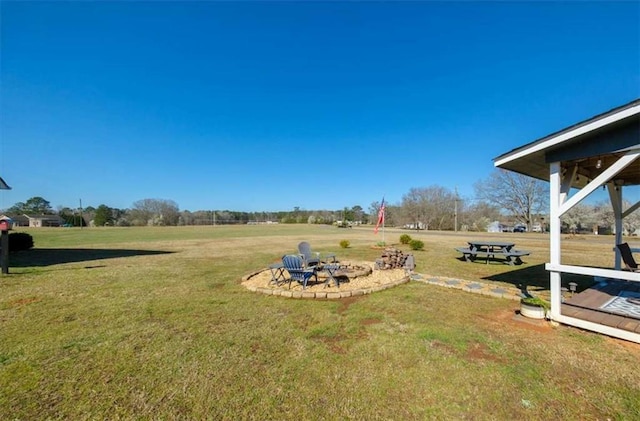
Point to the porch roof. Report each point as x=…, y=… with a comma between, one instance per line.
x=603, y=150
x=590, y=146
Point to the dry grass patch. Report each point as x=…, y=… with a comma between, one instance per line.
x=168, y=332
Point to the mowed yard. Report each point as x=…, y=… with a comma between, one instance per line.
x=152, y=323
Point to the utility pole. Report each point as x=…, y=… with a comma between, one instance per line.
x=455, y=212
x=81, y=220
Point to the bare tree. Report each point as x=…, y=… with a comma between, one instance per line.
x=391, y=213
x=478, y=216
x=579, y=217
x=431, y=207
x=519, y=195
x=603, y=215
x=155, y=212
x=373, y=212
x=412, y=208
x=632, y=222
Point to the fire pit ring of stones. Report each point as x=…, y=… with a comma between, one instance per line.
x=356, y=278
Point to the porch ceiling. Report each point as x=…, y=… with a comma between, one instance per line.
x=603, y=138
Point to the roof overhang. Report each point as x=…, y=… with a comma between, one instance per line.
x=589, y=146
x=3, y=185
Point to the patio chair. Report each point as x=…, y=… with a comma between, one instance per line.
x=298, y=271
x=627, y=257
x=312, y=258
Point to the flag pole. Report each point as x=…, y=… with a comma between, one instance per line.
x=383, y=221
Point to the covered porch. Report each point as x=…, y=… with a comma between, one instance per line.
x=601, y=152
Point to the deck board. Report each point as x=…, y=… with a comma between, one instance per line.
x=586, y=306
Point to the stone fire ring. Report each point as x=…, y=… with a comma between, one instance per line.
x=358, y=278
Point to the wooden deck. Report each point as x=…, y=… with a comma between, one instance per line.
x=586, y=306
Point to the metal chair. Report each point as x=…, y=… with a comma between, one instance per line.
x=627, y=257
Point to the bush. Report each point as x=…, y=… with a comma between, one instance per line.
x=20, y=241
x=344, y=244
x=536, y=301
x=405, y=239
x=416, y=245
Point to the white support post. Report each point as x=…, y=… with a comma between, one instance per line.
x=556, y=196
x=615, y=195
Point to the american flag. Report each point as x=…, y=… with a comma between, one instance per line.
x=380, y=217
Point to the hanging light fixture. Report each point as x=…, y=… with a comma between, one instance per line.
x=599, y=163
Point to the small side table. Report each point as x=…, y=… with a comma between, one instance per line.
x=330, y=269
x=277, y=273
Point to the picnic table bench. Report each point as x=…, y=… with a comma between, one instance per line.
x=490, y=249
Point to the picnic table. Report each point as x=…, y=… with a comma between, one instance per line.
x=489, y=249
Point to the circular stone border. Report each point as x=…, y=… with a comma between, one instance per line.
x=323, y=295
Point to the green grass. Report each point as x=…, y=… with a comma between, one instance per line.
x=152, y=323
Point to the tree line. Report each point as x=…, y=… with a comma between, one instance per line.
x=165, y=212
x=504, y=195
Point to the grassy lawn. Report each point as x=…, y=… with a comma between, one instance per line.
x=152, y=323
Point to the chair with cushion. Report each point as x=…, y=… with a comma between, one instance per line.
x=627, y=257
x=298, y=271
x=313, y=258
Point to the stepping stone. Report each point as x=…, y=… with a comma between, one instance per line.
x=474, y=286
x=452, y=282
x=499, y=290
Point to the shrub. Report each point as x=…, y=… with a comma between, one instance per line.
x=344, y=244
x=381, y=244
x=536, y=301
x=20, y=241
x=416, y=245
x=405, y=239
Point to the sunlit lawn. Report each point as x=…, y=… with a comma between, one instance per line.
x=152, y=323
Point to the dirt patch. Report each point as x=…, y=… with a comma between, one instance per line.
x=23, y=302
x=630, y=346
x=333, y=343
x=346, y=303
x=442, y=347
x=478, y=351
x=511, y=319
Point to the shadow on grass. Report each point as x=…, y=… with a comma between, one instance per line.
x=537, y=278
x=47, y=257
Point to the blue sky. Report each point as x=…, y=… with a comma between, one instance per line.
x=264, y=106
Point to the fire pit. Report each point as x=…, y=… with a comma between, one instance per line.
x=356, y=278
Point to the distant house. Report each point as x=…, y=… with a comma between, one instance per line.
x=45, y=220
x=497, y=226
x=18, y=220
x=416, y=226
x=494, y=226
